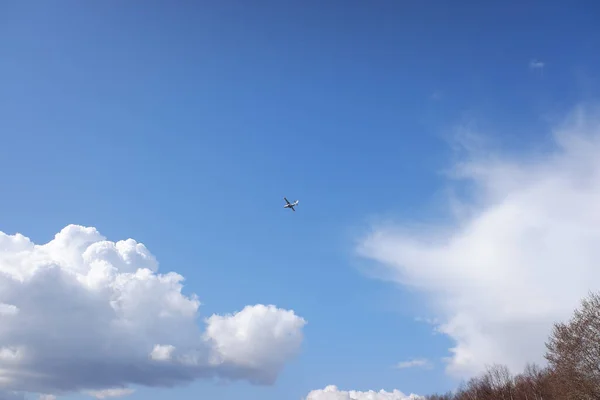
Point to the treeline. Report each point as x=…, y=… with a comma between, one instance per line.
x=572, y=373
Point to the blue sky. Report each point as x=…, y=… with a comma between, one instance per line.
x=183, y=126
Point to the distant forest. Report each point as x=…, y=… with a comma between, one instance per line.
x=572, y=373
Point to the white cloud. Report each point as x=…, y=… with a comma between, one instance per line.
x=333, y=393
x=521, y=254
x=437, y=95
x=417, y=362
x=11, y=395
x=47, y=397
x=535, y=64
x=81, y=314
x=109, y=393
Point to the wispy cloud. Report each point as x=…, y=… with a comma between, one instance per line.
x=535, y=64
x=414, y=363
x=437, y=95
x=108, y=393
x=518, y=259
x=430, y=321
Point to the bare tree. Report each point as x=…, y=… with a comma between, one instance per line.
x=535, y=383
x=447, y=396
x=573, y=351
x=501, y=381
x=498, y=384
x=573, y=371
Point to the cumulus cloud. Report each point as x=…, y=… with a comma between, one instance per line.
x=333, y=393
x=520, y=254
x=84, y=314
x=417, y=362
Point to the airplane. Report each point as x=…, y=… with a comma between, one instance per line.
x=290, y=205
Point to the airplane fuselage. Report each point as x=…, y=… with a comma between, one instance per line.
x=290, y=205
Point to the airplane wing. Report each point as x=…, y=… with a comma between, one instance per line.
x=286, y=200
x=293, y=209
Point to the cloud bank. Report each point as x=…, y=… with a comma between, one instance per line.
x=333, y=393
x=84, y=314
x=521, y=253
